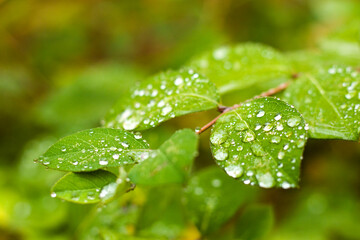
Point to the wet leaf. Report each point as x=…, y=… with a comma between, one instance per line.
x=212, y=197
x=94, y=149
x=171, y=163
x=255, y=223
x=241, y=66
x=261, y=143
x=162, y=97
x=89, y=187
x=329, y=101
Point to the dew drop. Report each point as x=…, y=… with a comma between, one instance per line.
x=293, y=122
x=249, y=136
x=268, y=127
x=281, y=155
x=277, y=117
x=166, y=110
x=218, y=137
x=216, y=183
x=261, y=113
x=241, y=126
x=300, y=143
x=221, y=154
x=275, y=139
x=103, y=162
x=116, y=156
x=285, y=185
x=178, y=81
x=265, y=180
x=53, y=194
x=257, y=150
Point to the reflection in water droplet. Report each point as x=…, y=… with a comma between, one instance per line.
x=276, y=139
x=293, y=122
x=249, y=136
x=234, y=171
x=221, y=154
x=261, y=113
x=265, y=180
x=281, y=155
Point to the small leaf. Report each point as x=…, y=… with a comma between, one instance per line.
x=255, y=223
x=162, y=97
x=212, y=197
x=242, y=66
x=329, y=101
x=94, y=149
x=88, y=187
x=170, y=163
x=261, y=143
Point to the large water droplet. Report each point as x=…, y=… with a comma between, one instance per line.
x=234, y=171
x=218, y=137
x=281, y=155
x=261, y=113
x=221, y=154
x=257, y=150
x=265, y=180
x=249, y=136
x=275, y=139
x=103, y=162
x=166, y=110
x=293, y=122
x=241, y=126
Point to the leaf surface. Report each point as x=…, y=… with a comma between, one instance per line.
x=171, y=163
x=329, y=101
x=261, y=143
x=94, y=149
x=240, y=67
x=88, y=187
x=162, y=97
x=212, y=197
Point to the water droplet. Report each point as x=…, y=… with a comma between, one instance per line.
x=249, y=136
x=216, y=183
x=113, y=148
x=178, y=81
x=221, y=154
x=277, y=117
x=161, y=103
x=116, y=156
x=276, y=139
x=241, y=126
x=261, y=113
x=265, y=180
x=125, y=145
x=285, y=185
x=281, y=155
x=268, y=127
x=108, y=191
x=63, y=149
x=257, y=150
x=279, y=127
x=103, y=162
x=239, y=148
x=286, y=147
x=300, y=143
x=234, y=171
x=218, y=137
x=131, y=123
x=166, y=110
x=53, y=194
x=293, y=122
x=257, y=127
x=137, y=135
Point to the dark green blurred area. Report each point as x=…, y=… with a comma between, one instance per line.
x=64, y=63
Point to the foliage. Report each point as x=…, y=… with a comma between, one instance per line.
x=144, y=169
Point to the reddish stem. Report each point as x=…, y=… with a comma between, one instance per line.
x=224, y=109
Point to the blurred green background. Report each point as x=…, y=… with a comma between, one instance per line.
x=64, y=63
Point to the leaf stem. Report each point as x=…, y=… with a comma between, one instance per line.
x=224, y=109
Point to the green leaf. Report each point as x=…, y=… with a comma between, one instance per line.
x=212, y=198
x=94, y=149
x=171, y=163
x=170, y=222
x=255, y=223
x=329, y=101
x=89, y=187
x=162, y=97
x=261, y=143
x=241, y=66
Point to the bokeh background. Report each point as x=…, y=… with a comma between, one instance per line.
x=63, y=64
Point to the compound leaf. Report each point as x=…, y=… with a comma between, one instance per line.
x=170, y=163
x=94, y=149
x=242, y=66
x=261, y=143
x=162, y=97
x=89, y=187
x=329, y=101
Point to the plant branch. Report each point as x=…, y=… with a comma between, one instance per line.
x=224, y=109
